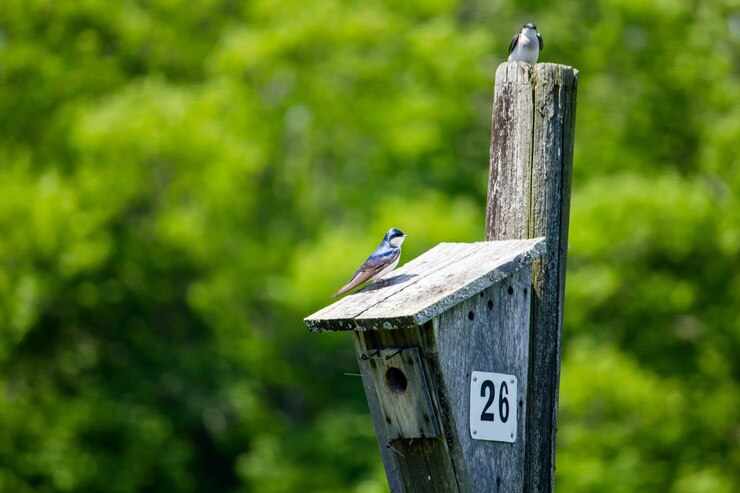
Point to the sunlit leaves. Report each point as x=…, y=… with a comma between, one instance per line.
x=181, y=184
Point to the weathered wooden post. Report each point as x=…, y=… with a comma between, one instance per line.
x=529, y=196
x=443, y=352
x=459, y=358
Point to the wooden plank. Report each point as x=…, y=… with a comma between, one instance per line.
x=453, y=284
x=402, y=392
x=495, y=338
x=376, y=412
x=554, y=132
x=534, y=200
x=510, y=152
x=432, y=283
x=411, y=466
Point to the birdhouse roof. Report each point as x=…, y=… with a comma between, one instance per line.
x=427, y=286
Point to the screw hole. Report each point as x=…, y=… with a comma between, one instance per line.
x=396, y=380
x=510, y=290
x=490, y=305
x=471, y=316
x=525, y=291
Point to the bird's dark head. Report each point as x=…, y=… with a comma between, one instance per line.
x=529, y=25
x=395, y=237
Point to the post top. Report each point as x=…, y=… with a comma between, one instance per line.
x=524, y=73
x=427, y=286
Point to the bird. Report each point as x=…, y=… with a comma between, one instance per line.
x=383, y=260
x=527, y=45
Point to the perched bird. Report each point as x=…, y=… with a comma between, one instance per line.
x=383, y=260
x=527, y=45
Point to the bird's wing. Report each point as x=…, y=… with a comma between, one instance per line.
x=374, y=264
x=542, y=43
x=513, y=43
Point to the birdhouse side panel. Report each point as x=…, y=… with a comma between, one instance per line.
x=489, y=332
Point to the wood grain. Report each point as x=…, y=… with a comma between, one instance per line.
x=531, y=198
x=510, y=153
x=495, y=340
x=406, y=404
x=418, y=465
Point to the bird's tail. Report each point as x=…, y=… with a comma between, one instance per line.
x=346, y=288
x=352, y=284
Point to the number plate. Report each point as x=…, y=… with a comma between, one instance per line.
x=493, y=405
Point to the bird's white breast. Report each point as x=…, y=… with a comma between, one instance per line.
x=527, y=48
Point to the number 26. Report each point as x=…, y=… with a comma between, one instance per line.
x=503, y=402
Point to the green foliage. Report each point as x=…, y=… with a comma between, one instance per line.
x=181, y=183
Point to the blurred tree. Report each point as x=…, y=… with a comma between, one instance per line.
x=182, y=183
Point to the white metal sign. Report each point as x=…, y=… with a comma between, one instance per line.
x=493, y=405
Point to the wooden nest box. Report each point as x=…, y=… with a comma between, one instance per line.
x=443, y=348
